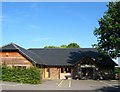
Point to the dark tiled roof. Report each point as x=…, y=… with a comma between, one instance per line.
x=28, y=54
x=57, y=56
x=7, y=47
x=68, y=56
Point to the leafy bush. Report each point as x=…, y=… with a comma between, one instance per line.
x=117, y=70
x=30, y=75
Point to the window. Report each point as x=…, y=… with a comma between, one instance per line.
x=20, y=67
x=62, y=71
x=69, y=70
x=65, y=70
x=48, y=70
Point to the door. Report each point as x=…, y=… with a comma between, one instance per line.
x=90, y=73
x=47, y=72
x=87, y=73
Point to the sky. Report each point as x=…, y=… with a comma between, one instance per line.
x=38, y=24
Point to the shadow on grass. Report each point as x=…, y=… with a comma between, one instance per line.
x=109, y=89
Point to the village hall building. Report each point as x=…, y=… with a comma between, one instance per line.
x=60, y=63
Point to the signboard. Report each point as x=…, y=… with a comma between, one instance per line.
x=84, y=66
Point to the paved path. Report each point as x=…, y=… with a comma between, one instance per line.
x=64, y=85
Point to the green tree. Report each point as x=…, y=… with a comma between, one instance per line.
x=73, y=45
x=51, y=47
x=63, y=46
x=70, y=45
x=108, y=32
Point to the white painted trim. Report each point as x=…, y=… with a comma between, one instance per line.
x=24, y=53
x=20, y=65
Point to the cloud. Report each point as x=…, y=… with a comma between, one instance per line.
x=43, y=39
x=35, y=6
x=33, y=26
x=6, y=18
x=1, y=18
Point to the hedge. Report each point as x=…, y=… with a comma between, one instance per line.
x=117, y=70
x=30, y=75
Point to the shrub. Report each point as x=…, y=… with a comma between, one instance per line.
x=30, y=75
x=117, y=70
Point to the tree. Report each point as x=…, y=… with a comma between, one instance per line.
x=63, y=46
x=108, y=32
x=73, y=45
x=51, y=47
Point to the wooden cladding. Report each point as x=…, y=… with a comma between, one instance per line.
x=51, y=73
x=11, y=54
x=14, y=58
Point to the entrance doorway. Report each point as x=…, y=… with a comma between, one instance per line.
x=87, y=73
x=65, y=72
x=47, y=72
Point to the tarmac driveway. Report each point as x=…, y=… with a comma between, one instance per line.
x=69, y=84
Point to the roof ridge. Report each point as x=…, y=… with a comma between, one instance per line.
x=35, y=55
x=14, y=45
x=60, y=48
x=5, y=45
x=19, y=49
x=23, y=52
x=27, y=55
